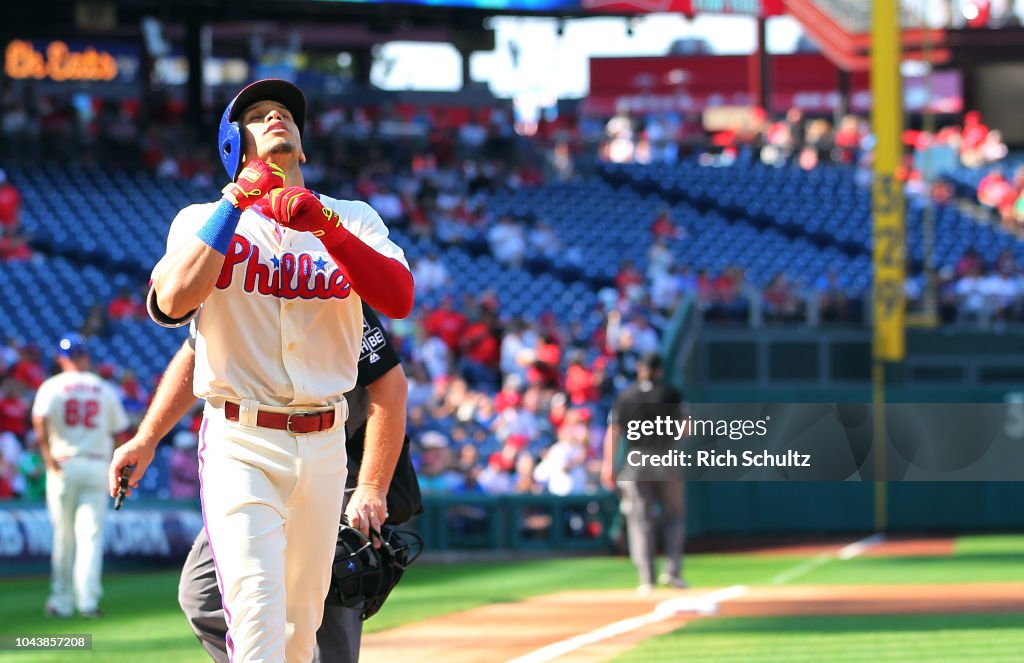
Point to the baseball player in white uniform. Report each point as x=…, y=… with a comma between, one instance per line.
x=77, y=415
x=274, y=275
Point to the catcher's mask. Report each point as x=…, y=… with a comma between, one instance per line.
x=229, y=135
x=362, y=576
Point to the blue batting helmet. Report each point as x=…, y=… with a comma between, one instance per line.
x=72, y=345
x=229, y=139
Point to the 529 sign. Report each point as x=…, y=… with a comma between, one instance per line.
x=81, y=413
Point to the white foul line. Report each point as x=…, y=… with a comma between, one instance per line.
x=704, y=604
x=846, y=552
x=855, y=549
x=801, y=569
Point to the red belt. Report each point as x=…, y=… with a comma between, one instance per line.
x=297, y=422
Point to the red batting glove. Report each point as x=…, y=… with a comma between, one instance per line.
x=299, y=209
x=255, y=181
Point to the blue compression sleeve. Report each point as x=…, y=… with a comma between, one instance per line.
x=220, y=227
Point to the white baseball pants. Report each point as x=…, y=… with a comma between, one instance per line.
x=271, y=506
x=76, y=498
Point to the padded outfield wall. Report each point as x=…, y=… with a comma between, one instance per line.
x=832, y=366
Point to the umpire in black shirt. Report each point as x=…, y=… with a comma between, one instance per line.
x=641, y=499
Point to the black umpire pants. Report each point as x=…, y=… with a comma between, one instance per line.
x=650, y=507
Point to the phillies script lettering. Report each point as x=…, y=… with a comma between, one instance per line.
x=290, y=277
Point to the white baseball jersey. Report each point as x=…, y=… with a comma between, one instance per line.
x=283, y=325
x=83, y=412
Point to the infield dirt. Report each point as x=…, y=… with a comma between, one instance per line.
x=505, y=631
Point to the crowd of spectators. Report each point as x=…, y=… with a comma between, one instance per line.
x=750, y=136
x=974, y=291
x=347, y=146
x=498, y=404
x=502, y=405
x=811, y=141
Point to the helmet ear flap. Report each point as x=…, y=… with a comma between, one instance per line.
x=229, y=141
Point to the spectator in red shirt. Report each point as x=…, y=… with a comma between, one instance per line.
x=974, y=135
x=544, y=371
x=125, y=306
x=548, y=327
x=629, y=279
x=10, y=204
x=558, y=408
x=848, y=137
x=579, y=382
x=13, y=410
x=728, y=296
x=663, y=227
x=510, y=394
x=481, y=352
x=706, y=295
x=446, y=323
x=530, y=175
x=133, y=396
x=29, y=369
x=13, y=245
x=968, y=263
x=725, y=286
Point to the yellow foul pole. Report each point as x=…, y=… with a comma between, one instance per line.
x=889, y=305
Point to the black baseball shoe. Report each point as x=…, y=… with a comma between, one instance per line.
x=95, y=613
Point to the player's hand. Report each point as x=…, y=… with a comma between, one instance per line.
x=136, y=451
x=256, y=180
x=299, y=209
x=367, y=508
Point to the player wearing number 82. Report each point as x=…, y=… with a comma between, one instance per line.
x=77, y=416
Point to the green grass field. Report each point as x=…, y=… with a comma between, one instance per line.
x=839, y=639
x=144, y=623
x=142, y=614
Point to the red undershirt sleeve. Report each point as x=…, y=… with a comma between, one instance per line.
x=384, y=283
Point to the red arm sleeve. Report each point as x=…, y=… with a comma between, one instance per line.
x=385, y=283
